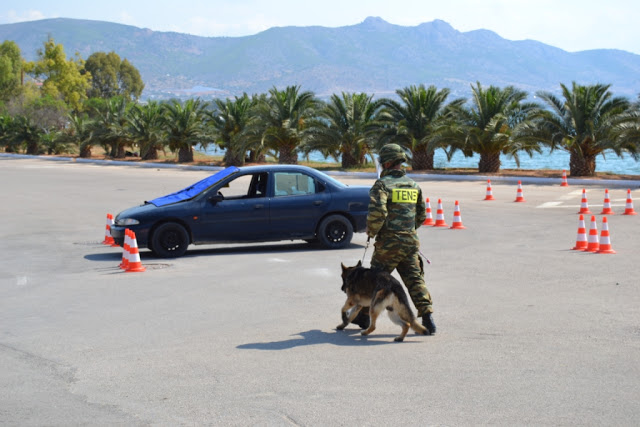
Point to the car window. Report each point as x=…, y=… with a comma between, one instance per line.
x=293, y=184
x=238, y=188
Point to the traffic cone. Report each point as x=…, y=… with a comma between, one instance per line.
x=429, y=220
x=108, y=240
x=606, y=207
x=581, y=240
x=125, y=250
x=457, y=219
x=584, y=206
x=605, y=241
x=489, y=195
x=564, y=179
x=628, y=210
x=592, y=241
x=519, y=196
x=440, y=222
x=135, y=266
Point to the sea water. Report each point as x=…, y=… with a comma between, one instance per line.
x=556, y=160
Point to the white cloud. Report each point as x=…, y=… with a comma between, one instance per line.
x=29, y=15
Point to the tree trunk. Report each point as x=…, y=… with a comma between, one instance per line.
x=254, y=157
x=233, y=159
x=288, y=156
x=121, y=152
x=32, y=148
x=151, y=153
x=489, y=163
x=85, y=152
x=582, y=165
x=348, y=160
x=422, y=160
x=185, y=154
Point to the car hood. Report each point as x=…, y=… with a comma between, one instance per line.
x=137, y=211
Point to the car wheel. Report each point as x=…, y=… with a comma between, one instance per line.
x=335, y=232
x=169, y=240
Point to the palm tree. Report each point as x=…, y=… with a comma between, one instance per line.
x=228, y=122
x=79, y=132
x=487, y=127
x=24, y=132
x=584, y=123
x=145, y=128
x=282, y=119
x=346, y=128
x=185, y=127
x=111, y=126
x=415, y=120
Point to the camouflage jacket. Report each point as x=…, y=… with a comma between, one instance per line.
x=396, y=205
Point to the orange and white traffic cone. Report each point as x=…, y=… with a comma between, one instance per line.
x=125, y=249
x=628, y=209
x=584, y=206
x=581, y=240
x=605, y=241
x=519, y=195
x=440, y=222
x=593, y=244
x=108, y=240
x=489, y=195
x=606, y=206
x=429, y=219
x=135, y=265
x=564, y=179
x=457, y=219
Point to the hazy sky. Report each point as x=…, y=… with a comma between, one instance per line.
x=568, y=24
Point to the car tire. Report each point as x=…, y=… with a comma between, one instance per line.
x=335, y=232
x=169, y=240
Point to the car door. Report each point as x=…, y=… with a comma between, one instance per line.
x=240, y=213
x=298, y=202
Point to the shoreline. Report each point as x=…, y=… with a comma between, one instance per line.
x=543, y=176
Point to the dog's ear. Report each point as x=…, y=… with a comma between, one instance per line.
x=359, y=264
x=343, y=267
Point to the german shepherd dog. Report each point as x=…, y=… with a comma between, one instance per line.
x=377, y=290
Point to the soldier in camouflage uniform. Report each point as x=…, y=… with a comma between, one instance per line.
x=396, y=210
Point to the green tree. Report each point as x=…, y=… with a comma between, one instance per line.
x=79, y=132
x=185, y=127
x=585, y=123
x=146, y=128
x=10, y=70
x=414, y=122
x=487, y=127
x=111, y=76
x=23, y=132
x=111, y=127
x=347, y=128
x=61, y=77
x=281, y=120
x=229, y=122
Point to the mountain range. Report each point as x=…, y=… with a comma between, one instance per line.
x=373, y=56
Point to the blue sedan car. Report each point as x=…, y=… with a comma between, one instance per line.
x=249, y=204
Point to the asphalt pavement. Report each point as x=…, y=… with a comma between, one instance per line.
x=530, y=332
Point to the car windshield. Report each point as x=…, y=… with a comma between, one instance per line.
x=194, y=189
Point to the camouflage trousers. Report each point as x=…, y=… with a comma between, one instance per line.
x=402, y=254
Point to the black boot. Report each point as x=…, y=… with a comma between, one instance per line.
x=427, y=322
x=362, y=319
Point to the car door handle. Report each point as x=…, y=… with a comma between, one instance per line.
x=258, y=206
x=318, y=202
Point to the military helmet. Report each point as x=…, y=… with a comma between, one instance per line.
x=392, y=153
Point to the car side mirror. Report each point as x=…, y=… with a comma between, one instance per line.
x=215, y=199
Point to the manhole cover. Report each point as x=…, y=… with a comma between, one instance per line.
x=155, y=266
x=94, y=243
